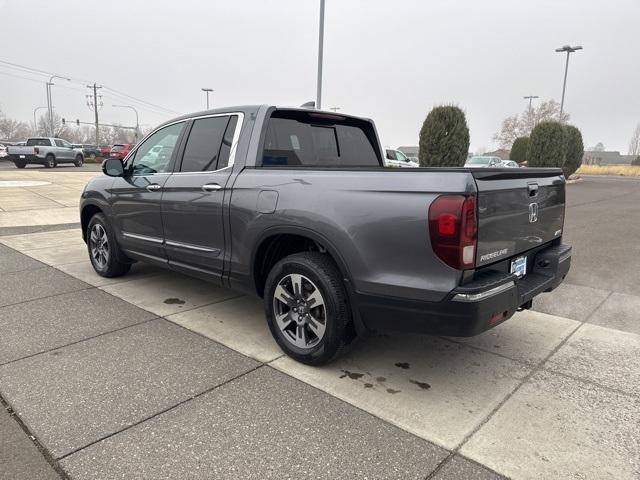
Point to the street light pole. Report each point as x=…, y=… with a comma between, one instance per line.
x=137, y=121
x=207, y=90
x=35, y=124
x=50, y=100
x=320, y=52
x=569, y=50
x=335, y=109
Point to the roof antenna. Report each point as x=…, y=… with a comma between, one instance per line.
x=310, y=104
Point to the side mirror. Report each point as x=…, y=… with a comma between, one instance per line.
x=113, y=167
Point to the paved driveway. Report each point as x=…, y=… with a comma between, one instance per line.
x=156, y=375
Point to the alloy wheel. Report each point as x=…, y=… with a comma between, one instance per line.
x=99, y=245
x=299, y=310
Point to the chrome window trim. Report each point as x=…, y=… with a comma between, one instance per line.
x=190, y=246
x=144, y=238
x=476, y=297
x=234, y=140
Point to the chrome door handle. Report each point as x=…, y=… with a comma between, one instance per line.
x=154, y=187
x=211, y=187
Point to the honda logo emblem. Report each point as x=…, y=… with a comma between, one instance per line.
x=533, y=212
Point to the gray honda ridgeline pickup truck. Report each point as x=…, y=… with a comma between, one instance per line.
x=295, y=206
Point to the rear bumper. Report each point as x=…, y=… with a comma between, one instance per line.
x=26, y=159
x=488, y=300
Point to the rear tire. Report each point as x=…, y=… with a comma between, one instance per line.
x=50, y=161
x=104, y=252
x=20, y=164
x=307, y=308
x=79, y=161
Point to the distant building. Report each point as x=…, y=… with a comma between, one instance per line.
x=502, y=153
x=409, y=151
x=605, y=157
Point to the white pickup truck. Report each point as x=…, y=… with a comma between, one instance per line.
x=45, y=151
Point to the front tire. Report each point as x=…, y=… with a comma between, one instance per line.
x=50, y=161
x=103, y=248
x=307, y=308
x=79, y=161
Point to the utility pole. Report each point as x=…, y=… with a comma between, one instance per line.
x=335, y=109
x=207, y=90
x=530, y=98
x=95, y=88
x=569, y=50
x=35, y=123
x=320, y=52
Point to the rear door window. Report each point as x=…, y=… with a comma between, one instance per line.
x=305, y=140
x=209, y=144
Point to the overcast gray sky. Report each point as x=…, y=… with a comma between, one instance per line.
x=389, y=60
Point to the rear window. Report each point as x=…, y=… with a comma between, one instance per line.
x=301, y=139
x=38, y=142
x=117, y=148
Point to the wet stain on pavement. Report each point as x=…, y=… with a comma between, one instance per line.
x=392, y=391
x=381, y=379
x=174, y=301
x=422, y=385
x=368, y=385
x=403, y=365
x=351, y=375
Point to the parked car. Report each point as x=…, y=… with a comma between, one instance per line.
x=120, y=150
x=3, y=151
x=105, y=150
x=395, y=158
x=295, y=206
x=510, y=164
x=480, y=161
x=88, y=150
x=45, y=151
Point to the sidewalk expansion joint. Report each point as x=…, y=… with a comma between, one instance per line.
x=50, y=459
x=165, y=410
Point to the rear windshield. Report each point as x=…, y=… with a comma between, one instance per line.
x=38, y=142
x=117, y=148
x=478, y=161
x=307, y=139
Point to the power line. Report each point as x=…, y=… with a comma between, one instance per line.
x=128, y=97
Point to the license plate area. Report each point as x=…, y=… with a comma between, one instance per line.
x=519, y=266
x=22, y=156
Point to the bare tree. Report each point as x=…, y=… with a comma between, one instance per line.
x=521, y=125
x=634, y=144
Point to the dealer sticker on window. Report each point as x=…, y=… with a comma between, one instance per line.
x=519, y=266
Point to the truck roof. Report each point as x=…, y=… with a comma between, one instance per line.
x=253, y=109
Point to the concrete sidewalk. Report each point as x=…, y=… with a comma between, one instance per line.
x=156, y=375
x=117, y=368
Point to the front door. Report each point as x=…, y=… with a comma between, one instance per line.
x=193, y=197
x=135, y=197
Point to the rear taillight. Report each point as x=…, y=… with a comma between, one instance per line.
x=453, y=229
x=36, y=150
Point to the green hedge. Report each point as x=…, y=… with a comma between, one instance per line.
x=444, y=138
x=519, y=149
x=575, y=151
x=547, y=145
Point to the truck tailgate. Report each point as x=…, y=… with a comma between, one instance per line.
x=518, y=209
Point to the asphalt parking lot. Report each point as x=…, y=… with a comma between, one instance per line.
x=156, y=375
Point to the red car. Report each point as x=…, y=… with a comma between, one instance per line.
x=105, y=150
x=120, y=150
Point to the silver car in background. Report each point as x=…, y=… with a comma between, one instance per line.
x=480, y=161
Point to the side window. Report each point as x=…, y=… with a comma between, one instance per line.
x=58, y=142
x=66, y=144
x=154, y=154
x=227, y=143
x=401, y=156
x=203, y=151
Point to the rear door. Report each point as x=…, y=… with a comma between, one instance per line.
x=517, y=210
x=193, y=197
